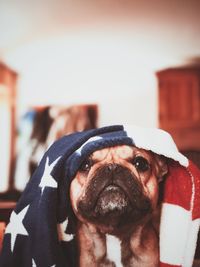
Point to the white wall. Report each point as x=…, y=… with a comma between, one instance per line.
x=70, y=58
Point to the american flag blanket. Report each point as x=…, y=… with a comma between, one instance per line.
x=41, y=231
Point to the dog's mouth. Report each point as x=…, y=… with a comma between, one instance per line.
x=115, y=200
x=111, y=200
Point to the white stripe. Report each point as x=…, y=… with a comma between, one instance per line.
x=191, y=243
x=174, y=227
x=114, y=250
x=193, y=191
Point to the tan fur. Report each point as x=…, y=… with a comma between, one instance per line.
x=139, y=246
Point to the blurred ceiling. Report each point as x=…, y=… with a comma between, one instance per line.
x=24, y=21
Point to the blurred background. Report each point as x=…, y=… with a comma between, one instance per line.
x=70, y=65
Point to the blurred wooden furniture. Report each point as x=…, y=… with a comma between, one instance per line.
x=179, y=105
x=8, y=79
x=2, y=230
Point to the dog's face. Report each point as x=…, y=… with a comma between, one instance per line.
x=117, y=186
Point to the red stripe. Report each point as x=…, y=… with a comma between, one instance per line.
x=178, y=186
x=162, y=264
x=196, y=175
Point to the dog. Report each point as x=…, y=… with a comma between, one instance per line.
x=115, y=198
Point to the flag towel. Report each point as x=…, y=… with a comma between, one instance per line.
x=42, y=228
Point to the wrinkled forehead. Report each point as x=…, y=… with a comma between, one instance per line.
x=122, y=151
x=118, y=152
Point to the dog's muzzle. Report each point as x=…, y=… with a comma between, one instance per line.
x=114, y=197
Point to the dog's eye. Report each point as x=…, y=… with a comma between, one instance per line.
x=86, y=165
x=141, y=164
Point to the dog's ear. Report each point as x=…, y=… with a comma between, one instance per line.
x=161, y=166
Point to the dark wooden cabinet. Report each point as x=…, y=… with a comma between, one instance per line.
x=8, y=79
x=179, y=105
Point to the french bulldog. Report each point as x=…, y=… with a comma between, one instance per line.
x=115, y=198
